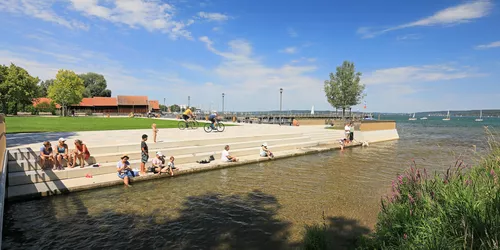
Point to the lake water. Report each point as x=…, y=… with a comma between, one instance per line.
x=258, y=206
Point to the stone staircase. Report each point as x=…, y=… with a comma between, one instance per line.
x=25, y=177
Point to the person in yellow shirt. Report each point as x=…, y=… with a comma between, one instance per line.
x=188, y=113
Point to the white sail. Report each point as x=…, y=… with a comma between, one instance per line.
x=312, y=110
x=447, y=117
x=480, y=119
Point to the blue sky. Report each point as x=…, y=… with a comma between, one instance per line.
x=414, y=55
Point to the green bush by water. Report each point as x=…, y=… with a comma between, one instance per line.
x=455, y=210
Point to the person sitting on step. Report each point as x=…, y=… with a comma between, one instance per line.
x=61, y=150
x=46, y=155
x=226, y=157
x=265, y=152
x=81, y=153
x=124, y=170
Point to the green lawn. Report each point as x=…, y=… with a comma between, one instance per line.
x=69, y=124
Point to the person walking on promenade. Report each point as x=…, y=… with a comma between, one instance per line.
x=144, y=154
x=155, y=131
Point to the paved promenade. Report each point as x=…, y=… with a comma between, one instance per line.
x=122, y=137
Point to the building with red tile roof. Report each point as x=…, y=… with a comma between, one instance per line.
x=43, y=99
x=120, y=104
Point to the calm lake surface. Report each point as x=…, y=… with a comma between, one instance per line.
x=258, y=206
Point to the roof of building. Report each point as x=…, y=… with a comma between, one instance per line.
x=132, y=100
x=43, y=99
x=154, y=104
x=104, y=101
x=86, y=102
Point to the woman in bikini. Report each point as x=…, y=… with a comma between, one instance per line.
x=61, y=150
x=81, y=152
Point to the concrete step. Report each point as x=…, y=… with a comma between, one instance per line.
x=32, y=153
x=37, y=189
x=34, y=164
x=35, y=176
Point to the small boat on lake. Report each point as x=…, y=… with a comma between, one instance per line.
x=480, y=119
x=412, y=118
x=447, y=117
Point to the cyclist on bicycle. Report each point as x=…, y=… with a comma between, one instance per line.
x=212, y=118
x=187, y=114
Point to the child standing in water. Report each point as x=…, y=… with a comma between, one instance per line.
x=155, y=131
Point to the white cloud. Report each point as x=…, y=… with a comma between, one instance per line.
x=489, y=46
x=413, y=74
x=289, y=50
x=151, y=15
x=462, y=13
x=193, y=67
x=292, y=32
x=244, y=77
x=409, y=37
x=41, y=10
x=213, y=16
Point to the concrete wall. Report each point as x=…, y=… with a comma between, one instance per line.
x=376, y=136
x=377, y=125
x=3, y=171
x=305, y=122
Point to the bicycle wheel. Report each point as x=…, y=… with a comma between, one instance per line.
x=207, y=127
x=182, y=125
x=192, y=124
x=196, y=124
x=220, y=127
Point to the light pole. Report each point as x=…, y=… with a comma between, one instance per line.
x=223, y=103
x=281, y=99
x=189, y=101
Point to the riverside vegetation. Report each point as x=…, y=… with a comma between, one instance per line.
x=455, y=210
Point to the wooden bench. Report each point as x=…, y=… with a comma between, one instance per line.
x=45, y=113
x=23, y=113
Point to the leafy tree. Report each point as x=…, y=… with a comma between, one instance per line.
x=4, y=89
x=344, y=90
x=22, y=87
x=67, y=89
x=95, y=85
x=44, y=87
x=175, y=108
x=163, y=107
x=192, y=109
x=46, y=107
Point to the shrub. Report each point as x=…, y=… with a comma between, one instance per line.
x=460, y=209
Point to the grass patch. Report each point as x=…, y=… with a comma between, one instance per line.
x=70, y=124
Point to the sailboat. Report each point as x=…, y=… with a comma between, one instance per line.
x=423, y=118
x=312, y=110
x=412, y=118
x=480, y=119
x=447, y=117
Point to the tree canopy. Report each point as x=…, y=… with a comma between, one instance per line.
x=44, y=87
x=67, y=89
x=18, y=87
x=344, y=89
x=95, y=85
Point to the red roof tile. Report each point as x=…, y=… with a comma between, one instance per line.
x=44, y=99
x=105, y=101
x=86, y=102
x=154, y=104
x=132, y=100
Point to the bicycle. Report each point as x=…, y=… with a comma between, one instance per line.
x=219, y=127
x=191, y=123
